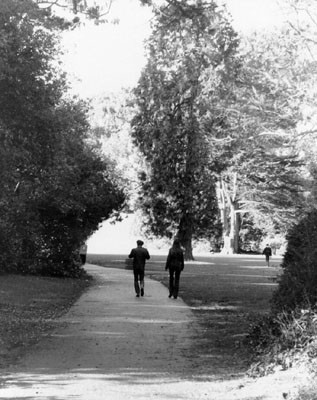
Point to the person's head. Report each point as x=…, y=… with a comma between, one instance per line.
x=176, y=243
x=140, y=243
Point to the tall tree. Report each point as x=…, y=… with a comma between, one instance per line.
x=178, y=189
x=261, y=167
x=55, y=186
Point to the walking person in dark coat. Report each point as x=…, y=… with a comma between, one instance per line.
x=267, y=252
x=139, y=255
x=83, y=253
x=175, y=265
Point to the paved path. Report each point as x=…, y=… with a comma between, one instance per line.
x=114, y=346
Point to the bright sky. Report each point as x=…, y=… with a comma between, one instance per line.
x=108, y=57
x=255, y=14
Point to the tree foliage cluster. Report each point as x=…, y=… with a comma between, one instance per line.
x=110, y=118
x=264, y=117
x=302, y=30
x=78, y=10
x=56, y=188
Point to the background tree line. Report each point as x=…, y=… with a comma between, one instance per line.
x=216, y=122
x=222, y=122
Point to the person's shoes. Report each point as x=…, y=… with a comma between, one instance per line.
x=137, y=295
x=142, y=292
x=175, y=297
x=169, y=295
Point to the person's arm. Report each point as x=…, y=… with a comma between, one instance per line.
x=168, y=261
x=131, y=255
x=182, y=261
x=147, y=255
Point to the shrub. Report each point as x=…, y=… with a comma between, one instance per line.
x=289, y=334
x=283, y=340
x=306, y=393
x=298, y=283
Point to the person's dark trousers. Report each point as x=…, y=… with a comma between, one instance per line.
x=138, y=277
x=83, y=258
x=174, y=282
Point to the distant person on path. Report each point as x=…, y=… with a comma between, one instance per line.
x=175, y=265
x=139, y=255
x=267, y=252
x=83, y=253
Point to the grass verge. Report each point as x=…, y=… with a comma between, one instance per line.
x=29, y=305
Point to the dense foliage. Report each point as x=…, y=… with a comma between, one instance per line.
x=56, y=188
x=298, y=283
x=287, y=335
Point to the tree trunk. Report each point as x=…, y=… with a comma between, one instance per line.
x=227, y=245
x=235, y=226
x=223, y=217
x=231, y=237
x=230, y=217
x=185, y=233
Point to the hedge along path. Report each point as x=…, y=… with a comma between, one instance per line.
x=112, y=346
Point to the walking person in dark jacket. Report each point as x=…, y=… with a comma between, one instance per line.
x=267, y=252
x=175, y=265
x=83, y=253
x=139, y=255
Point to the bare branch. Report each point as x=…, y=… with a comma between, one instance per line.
x=47, y=4
x=226, y=139
x=51, y=3
x=306, y=133
x=299, y=32
x=108, y=9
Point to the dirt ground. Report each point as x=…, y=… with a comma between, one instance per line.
x=111, y=345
